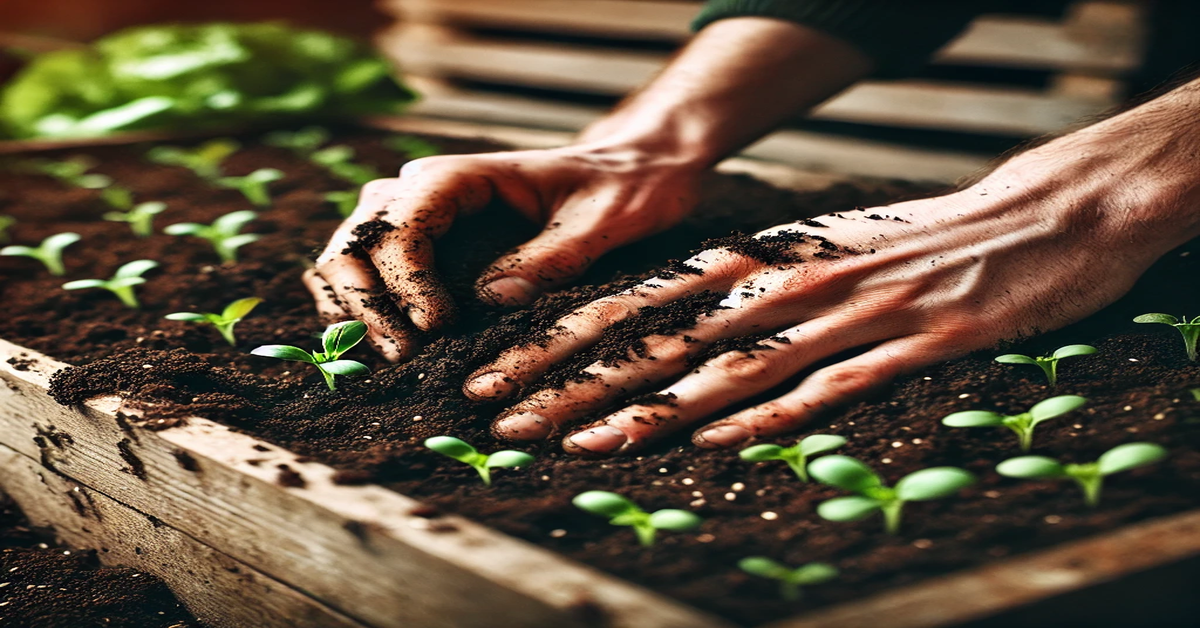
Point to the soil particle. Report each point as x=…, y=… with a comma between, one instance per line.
x=186, y=461
x=290, y=478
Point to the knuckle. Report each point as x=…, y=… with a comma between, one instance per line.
x=846, y=378
x=559, y=262
x=668, y=350
x=609, y=310
x=746, y=368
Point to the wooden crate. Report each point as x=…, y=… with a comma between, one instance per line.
x=199, y=506
x=438, y=43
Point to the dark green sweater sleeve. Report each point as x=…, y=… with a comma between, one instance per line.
x=899, y=35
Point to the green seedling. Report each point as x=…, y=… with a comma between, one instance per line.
x=1190, y=330
x=1049, y=363
x=121, y=284
x=49, y=252
x=483, y=463
x=254, y=185
x=303, y=142
x=622, y=512
x=411, y=147
x=140, y=218
x=223, y=322
x=345, y=201
x=873, y=496
x=1196, y=394
x=72, y=171
x=337, y=159
x=790, y=579
x=1089, y=475
x=204, y=160
x=795, y=456
x=1022, y=424
x=222, y=233
x=5, y=223
x=337, y=339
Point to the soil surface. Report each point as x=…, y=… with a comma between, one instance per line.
x=371, y=428
x=46, y=585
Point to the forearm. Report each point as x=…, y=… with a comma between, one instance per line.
x=737, y=79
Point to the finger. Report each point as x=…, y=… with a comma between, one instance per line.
x=328, y=308
x=357, y=293
x=584, y=327
x=727, y=379
x=827, y=388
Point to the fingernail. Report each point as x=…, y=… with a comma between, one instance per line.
x=721, y=436
x=523, y=426
x=493, y=385
x=511, y=291
x=601, y=439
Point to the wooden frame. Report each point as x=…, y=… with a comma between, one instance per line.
x=200, y=506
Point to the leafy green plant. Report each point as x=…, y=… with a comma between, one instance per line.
x=790, y=579
x=1049, y=363
x=303, y=142
x=1089, y=475
x=336, y=340
x=49, y=252
x=1190, y=330
x=204, y=160
x=1022, y=424
x=795, y=456
x=623, y=512
x=122, y=282
x=338, y=160
x=254, y=185
x=140, y=217
x=345, y=201
x=411, y=147
x=5, y=223
x=483, y=463
x=222, y=233
x=223, y=322
x=873, y=496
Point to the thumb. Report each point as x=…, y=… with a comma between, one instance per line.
x=556, y=256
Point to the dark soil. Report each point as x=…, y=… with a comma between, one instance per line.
x=46, y=585
x=371, y=428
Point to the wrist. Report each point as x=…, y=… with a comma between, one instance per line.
x=646, y=140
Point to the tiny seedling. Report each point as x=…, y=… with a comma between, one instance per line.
x=1089, y=475
x=483, y=463
x=204, y=160
x=303, y=142
x=338, y=160
x=254, y=185
x=873, y=496
x=5, y=223
x=622, y=512
x=411, y=147
x=49, y=252
x=1049, y=363
x=345, y=201
x=223, y=322
x=1022, y=424
x=73, y=172
x=222, y=233
x=1196, y=394
x=790, y=580
x=337, y=339
x=140, y=218
x=121, y=284
x=1190, y=330
x=795, y=456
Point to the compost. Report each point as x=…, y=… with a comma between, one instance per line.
x=371, y=429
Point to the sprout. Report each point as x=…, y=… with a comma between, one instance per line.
x=790, y=580
x=483, y=463
x=854, y=476
x=337, y=339
x=338, y=160
x=73, y=172
x=222, y=233
x=411, y=147
x=1190, y=330
x=117, y=197
x=1089, y=475
x=1023, y=423
x=140, y=218
x=224, y=322
x=622, y=512
x=1196, y=394
x=5, y=223
x=1048, y=364
x=49, y=252
x=345, y=201
x=205, y=160
x=303, y=142
x=795, y=456
x=122, y=282
x=254, y=185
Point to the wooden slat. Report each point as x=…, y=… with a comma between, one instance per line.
x=993, y=40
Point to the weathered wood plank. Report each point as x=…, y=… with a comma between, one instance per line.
x=355, y=548
x=220, y=591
